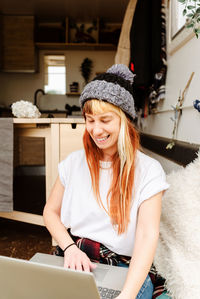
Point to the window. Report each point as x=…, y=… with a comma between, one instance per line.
x=55, y=74
x=178, y=34
x=177, y=18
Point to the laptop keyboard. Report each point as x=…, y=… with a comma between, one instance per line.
x=108, y=293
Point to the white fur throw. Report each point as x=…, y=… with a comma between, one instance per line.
x=178, y=254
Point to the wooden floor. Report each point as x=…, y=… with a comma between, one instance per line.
x=23, y=240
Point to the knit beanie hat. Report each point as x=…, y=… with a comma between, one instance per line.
x=114, y=86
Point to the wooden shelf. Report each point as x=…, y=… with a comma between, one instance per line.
x=73, y=94
x=76, y=46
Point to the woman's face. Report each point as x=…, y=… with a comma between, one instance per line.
x=104, y=130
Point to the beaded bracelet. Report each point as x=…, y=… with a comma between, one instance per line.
x=68, y=246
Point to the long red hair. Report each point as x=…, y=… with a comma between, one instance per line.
x=120, y=194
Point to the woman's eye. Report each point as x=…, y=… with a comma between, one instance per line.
x=106, y=121
x=90, y=120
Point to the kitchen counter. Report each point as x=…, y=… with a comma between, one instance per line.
x=62, y=136
x=68, y=120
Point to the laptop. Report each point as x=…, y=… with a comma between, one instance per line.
x=44, y=277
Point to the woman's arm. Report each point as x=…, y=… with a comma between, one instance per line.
x=147, y=233
x=74, y=258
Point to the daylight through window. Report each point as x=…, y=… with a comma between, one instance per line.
x=55, y=74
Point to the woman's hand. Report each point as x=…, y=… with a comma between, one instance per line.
x=76, y=259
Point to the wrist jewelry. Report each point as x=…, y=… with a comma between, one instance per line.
x=69, y=246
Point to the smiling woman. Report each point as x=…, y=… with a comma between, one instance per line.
x=106, y=201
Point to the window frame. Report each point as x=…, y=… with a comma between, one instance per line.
x=181, y=35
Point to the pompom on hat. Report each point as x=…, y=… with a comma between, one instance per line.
x=114, y=86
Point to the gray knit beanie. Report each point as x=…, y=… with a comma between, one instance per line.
x=114, y=86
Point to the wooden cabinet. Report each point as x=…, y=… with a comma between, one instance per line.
x=61, y=35
x=17, y=44
x=70, y=139
x=54, y=139
x=29, y=151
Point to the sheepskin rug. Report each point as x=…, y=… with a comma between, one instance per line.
x=178, y=254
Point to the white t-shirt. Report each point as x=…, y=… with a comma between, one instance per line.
x=82, y=214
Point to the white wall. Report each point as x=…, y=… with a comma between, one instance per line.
x=183, y=59
x=16, y=86
x=181, y=63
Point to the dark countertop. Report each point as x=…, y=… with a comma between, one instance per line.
x=53, y=111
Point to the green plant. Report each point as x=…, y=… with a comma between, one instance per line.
x=86, y=69
x=192, y=12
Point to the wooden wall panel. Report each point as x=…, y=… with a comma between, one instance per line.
x=17, y=47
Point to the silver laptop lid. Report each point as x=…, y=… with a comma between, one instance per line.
x=105, y=275
x=20, y=279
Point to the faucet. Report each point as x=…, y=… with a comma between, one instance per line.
x=35, y=95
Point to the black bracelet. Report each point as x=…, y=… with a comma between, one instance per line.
x=69, y=246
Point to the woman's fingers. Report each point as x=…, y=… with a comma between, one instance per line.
x=92, y=266
x=86, y=265
x=76, y=259
x=72, y=265
x=79, y=266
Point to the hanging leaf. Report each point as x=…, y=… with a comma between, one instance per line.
x=190, y=25
x=196, y=31
x=189, y=15
x=192, y=12
x=184, y=12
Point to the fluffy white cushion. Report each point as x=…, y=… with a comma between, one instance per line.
x=178, y=254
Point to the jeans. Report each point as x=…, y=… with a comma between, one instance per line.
x=146, y=290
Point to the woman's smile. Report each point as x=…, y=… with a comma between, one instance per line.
x=102, y=139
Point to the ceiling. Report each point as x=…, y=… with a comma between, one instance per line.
x=83, y=10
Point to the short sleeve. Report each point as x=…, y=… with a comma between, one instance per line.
x=64, y=170
x=154, y=181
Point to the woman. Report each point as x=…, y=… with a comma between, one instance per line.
x=109, y=194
